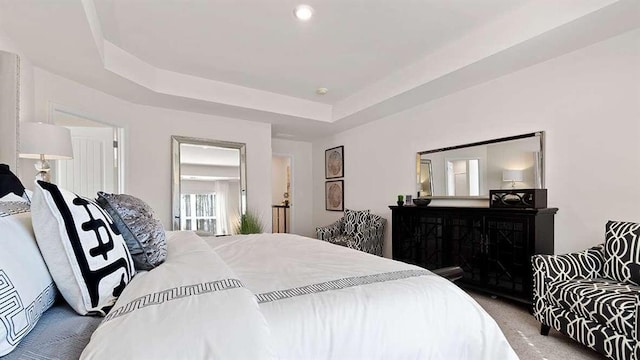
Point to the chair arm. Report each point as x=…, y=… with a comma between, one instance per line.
x=330, y=231
x=585, y=264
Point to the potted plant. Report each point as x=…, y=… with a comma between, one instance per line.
x=249, y=224
x=400, y=200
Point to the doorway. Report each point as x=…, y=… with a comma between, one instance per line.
x=281, y=193
x=463, y=177
x=97, y=155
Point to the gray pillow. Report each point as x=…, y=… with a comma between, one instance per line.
x=143, y=233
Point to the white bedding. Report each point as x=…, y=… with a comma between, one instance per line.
x=190, y=307
x=296, y=298
x=417, y=317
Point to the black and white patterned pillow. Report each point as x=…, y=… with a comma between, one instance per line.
x=26, y=288
x=143, y=233
x=622, y=252
x=355, y=221
x=86, y=255
x=10, y=184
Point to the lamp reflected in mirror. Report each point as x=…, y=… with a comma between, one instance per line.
x=513, y=176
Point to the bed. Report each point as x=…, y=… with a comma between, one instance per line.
x=263, y=296
x=315, y=300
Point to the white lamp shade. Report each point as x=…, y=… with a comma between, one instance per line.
x=512, y=175
x=52, y=141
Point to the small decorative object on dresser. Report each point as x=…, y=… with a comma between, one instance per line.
x=334, y=195
x=408, y=200
x=400, y=201
x=518, y=198
x=334, y=162
x=421, y=201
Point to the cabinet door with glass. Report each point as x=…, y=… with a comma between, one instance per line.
x=508, y=252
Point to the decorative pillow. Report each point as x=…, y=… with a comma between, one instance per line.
x=26, y=288
x=10, y=184
x=11, y=197
x=86, y=255
x=355, y=221
x=143, y=233
x=622, y=252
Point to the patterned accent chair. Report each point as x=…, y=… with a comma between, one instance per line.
x=593, y=295
x=358, y=230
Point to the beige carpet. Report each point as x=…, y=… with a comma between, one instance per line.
x=523, y=333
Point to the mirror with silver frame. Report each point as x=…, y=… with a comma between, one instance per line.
x=471, y=170
x=209, y=191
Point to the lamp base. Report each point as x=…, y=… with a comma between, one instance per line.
x=43, y=168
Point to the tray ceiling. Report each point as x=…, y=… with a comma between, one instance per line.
x=252, y=60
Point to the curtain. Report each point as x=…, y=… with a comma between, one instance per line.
x=222, y=207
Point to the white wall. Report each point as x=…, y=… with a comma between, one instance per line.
x=588, y=102
x=301, y=183
x=147, y=140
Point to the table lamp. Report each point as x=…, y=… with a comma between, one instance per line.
x=513, y=176
x=44, y=142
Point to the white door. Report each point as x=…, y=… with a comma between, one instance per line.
x=93, y=167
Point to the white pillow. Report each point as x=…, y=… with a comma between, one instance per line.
x=26, y=288
x=11, y=197
x=86, y=255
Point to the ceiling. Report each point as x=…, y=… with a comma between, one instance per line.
x=258, y=44
x=250, y=59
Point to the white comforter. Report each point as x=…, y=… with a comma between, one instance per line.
x=417, y=317
x=191, y=307
x=316, y=301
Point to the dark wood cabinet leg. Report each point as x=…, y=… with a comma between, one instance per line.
x=544, y=329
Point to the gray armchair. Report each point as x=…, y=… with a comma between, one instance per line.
x=358, y=230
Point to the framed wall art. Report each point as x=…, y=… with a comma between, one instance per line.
x=334, y=195
x=334, y=162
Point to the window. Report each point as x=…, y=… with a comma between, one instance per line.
x=198, y=212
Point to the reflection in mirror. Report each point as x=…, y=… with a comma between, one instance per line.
x=463, y=177
x=472, y=170
x=209, y=185
x=97, y=155
x=425, y=181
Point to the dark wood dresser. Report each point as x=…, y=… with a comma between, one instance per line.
x=492, y=246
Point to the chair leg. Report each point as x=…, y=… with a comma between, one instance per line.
x=544, y=329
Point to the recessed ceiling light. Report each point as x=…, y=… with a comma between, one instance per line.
x=322, y=91
x=303, y=12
